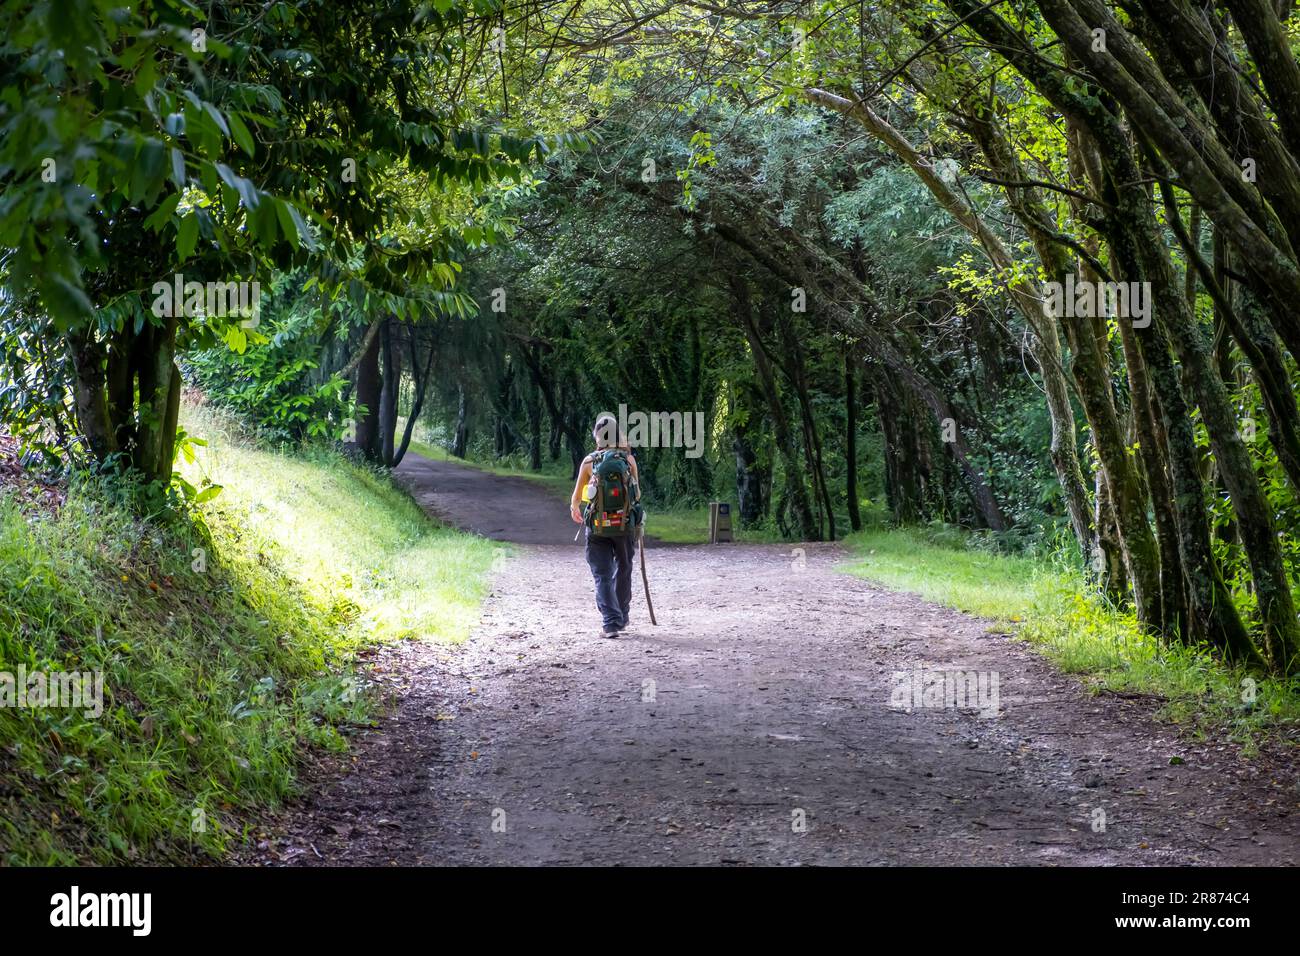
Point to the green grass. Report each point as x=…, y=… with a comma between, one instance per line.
x=691, y=526
x=679, y=526
x=347, y=535
x=1056, y=610
x=222, y=664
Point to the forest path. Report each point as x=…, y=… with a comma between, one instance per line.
x=754, y=726
x=515, y=509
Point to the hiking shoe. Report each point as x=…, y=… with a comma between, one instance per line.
x=609, y=630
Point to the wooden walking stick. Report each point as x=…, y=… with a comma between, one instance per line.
x=640, y=533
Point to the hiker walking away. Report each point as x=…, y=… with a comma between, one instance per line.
x=607, y=501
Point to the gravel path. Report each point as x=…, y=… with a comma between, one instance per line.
x=758, y=724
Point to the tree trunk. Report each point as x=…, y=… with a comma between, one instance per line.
x=460, y=438
x=389, y=391
x=156, y=371
x=812, y=443
x=91, y=400
x=562, y=420
x=795, y=485
x=1254, y=515
x=1210, y=596
x=1152, y=444
x=421, y=384
x=851, y=442
x=367, y=388
x=752, y=477
x=899, y=429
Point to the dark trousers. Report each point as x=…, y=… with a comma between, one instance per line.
x=610, y=560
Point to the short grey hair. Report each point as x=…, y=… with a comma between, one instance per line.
x=605, y=431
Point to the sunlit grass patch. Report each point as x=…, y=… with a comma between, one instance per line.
x=347, y=535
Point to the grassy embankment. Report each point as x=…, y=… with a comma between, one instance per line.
x=224, y=653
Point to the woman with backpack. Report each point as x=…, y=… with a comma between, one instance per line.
x=606, y=499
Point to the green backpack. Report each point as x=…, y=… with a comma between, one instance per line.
x=613, y=510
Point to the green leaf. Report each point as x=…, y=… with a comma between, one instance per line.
x=247, y=191
x=187, y=237
x=146, y=172
x=178, y=168
x=241, y=134
x=303, y=232
x=287, y=225
x=207, y=494
x=263, y=223
x=216, y=116
x=66, y=300
x=236, y=339
x=159, y=217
